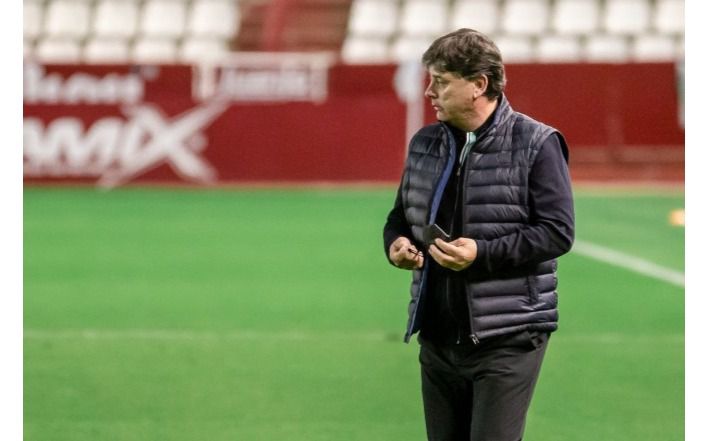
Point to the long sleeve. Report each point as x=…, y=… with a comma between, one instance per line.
x=550, y=232
x=396, y=224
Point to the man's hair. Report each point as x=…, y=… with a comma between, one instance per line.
x=469, y=54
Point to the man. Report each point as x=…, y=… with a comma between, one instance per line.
x=484, y=299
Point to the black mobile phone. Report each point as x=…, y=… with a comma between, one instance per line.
x=433, y=232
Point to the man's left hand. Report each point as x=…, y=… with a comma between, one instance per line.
x=456, y=255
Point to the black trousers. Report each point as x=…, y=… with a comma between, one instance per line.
x=482, y=392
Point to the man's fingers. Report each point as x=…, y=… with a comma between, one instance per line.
x=446, y=247
x=413, y=263
x=399, y=245
x=405, y=255
x=414, y=252
x=448, y=255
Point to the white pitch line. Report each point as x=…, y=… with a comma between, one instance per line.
x=292, y=335
x=193, y=335
x=629, y=262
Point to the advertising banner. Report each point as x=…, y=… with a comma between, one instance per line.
x=301, y=118
x=209, y=125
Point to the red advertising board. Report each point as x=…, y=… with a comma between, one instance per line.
x=602, y=105
x=299, y=121
x=116, y=124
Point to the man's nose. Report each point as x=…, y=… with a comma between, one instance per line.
x=429, y=93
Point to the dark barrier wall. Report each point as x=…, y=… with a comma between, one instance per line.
x=112, y=125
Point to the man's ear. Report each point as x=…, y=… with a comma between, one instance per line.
x=480, y=83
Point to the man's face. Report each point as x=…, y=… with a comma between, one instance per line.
x=452, y=97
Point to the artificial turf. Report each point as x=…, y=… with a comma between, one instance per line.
x=172, y=314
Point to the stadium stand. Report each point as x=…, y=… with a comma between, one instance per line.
x=575, y=17
x=361, y=31
x=362, y=49
x=58, y=50
x=654, y=48
x=525, y=17
x=606, y=48
x=163, y=18
x=669, y=17
x=515, y=48
x=154, y=50
x=202, y=48
x=558, y=48
x=106, y=50
x=627, y=17
x=67, y=18
x=213, y=18
x=373, y=18
x=116, y=18
x=32, y=19
x=482, y=15
x=423, y=17
x=409, y=47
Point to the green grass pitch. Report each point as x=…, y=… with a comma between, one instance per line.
x=158, y=314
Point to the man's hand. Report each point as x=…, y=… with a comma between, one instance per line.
x=404, y=255
x=456, y=255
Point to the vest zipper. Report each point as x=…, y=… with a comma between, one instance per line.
x=461, y=176
x=435, y=202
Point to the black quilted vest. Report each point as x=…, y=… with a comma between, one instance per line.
x=495, y=204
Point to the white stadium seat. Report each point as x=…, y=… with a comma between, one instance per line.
x=556, y=48
x=213, y=18
x=378, y=31
x=606, y=48
x=482, y=15
x=409, y=48
x=576, y=17
x=58, y=50
x=373, y=18
x=669, y=16
x=154, y=50
x=361, y=50
x=67, y=18
x=163, y=18
x=679, y=48
x=626, y=16
x=654, y=48
x=106, y=50
x=515, y=49
x=28, y=49
x=424, y=17
x=525, y=17
x=116, y=18
x=195, y=49
x=32, y=18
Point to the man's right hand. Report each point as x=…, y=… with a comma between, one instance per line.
x=404, y=254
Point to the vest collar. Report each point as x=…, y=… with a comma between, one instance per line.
x=498, y=118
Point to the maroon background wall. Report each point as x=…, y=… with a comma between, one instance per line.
x=112, y=125
x=598, y=105
x=621, y=120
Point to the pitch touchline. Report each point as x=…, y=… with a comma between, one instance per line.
x=184, y=335
x=628, y=262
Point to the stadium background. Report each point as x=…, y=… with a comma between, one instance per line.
x=205, y=185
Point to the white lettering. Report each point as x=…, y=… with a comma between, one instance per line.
x=116, y=150
x=80, y=87
x=273, y=84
